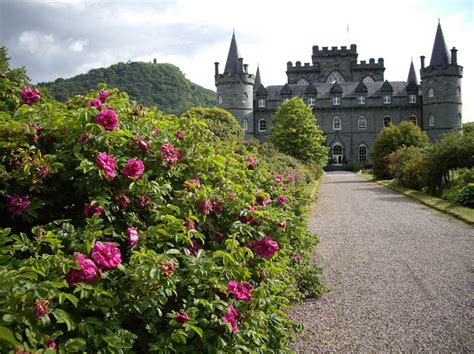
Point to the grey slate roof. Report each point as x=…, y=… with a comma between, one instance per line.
x=258, y=80
x=232, y=63
x=439, y=56
x=412, y=74
x=348, y=89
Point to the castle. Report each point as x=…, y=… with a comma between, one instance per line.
x=352, y=101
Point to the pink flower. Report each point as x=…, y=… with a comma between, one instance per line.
x=170, y=154
x=284, y=188
x=206, y=207
x=190, y=225
x=192, y=183
x=52, y=344
x=87, y=273
x=296, y=257
x=43, y=172
x=290, y=179
x=84, y=138
x=122, y=201
x=262, y=198
x=217, y=207
x=180, y=135
x=157, y=131
x=141, y=144
x=30, y=96
x=134, y=168
x=103, y=95
x=230, y=318
x=247, y=219
x=107, y=164
x=132, y=236
x=194, y=249
x=281, y=199
x=167, y=268
x=17, y=204
x=265, y=247
x=108, y=119
x=96, y=103
x=143, y=201
x=90, y=210
x=282, y=224
x=41, y=309
x=182, y=317
x=241, y=291
x=278, y=180
x=251, y=162
x=106, y=256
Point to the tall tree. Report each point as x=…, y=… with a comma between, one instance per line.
x=295, y=132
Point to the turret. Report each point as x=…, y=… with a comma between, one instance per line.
x=441, y=87
x=235, y=88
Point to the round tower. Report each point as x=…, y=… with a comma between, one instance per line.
x=235, y=89
x=441, y=90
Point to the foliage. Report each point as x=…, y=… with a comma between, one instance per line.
x=466, y=196
x=10, y=82
x=295, y=132
x=458, y=179
x=468, y=128
x=220, y=122
x=165, y=217
x=163, y=85
x=406, y=166
x=392, y=138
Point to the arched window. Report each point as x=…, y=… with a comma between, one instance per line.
x=431, y=120
x=362, y=153
x=362, y=122
x=245, y=124
x=387, y=120
x=337, y=154
x=336, y=123
x=458, y=92
x=262, y=125
x=368, y=79
x=303, y=81
x=244, y=97
x=431, y=92
x=335, y=77
x=460, y=120
x=219, y=99
x=413, y=119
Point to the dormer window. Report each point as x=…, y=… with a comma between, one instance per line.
x=262, y=125
x=336, y=100
x=303, y=81
x=387, y=99
x=361, y=99
x=261, y=102
x=312, y=101
x=411, y=98
x=431, y=92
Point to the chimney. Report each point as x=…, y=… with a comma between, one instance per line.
x=454, y=56
x=216, y=68
x=154, y=60
x=422, y=58
x=241, y=65
x=246, y=68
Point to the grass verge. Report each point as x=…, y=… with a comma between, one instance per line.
x=458, y=211
x=313, y=187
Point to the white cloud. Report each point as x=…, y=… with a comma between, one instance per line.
x=76, y=45
x=36, y=42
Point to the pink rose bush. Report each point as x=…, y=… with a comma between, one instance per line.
x=240, y=291
x=132, y=236
x=134, y=168
x=108, y=119
x=231, y=318
x=87, y=273
x=107, y=164
x=170, y=154
x=30, y=95
x=17, y=204
x=182, y=318
x=265, y=247
x=97, y=103
x=106, y=256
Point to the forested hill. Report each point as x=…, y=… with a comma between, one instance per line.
x=162, y=85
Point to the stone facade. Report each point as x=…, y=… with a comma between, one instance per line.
x=351, y=101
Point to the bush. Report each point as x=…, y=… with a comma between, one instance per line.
x=406, y=165
x=123, y=229
x=466, y=196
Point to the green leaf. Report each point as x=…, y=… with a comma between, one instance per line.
x=7, y=335
x=194, y=328
x=63, y=317
x=75, y=344
x=116, y=342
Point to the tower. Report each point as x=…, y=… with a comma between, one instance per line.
x=441, y=87
x=235, y=89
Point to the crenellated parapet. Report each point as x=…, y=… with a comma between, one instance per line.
x=325, y=52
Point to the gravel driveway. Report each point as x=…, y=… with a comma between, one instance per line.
x=401, y=274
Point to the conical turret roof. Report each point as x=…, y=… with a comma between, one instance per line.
x=439, y=56
x=412, y=81
x=232, y=63
x=258, y=80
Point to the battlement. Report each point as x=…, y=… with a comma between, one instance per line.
x=233, y=78
x=307, y=67
x=371, y=65
x=450, y=70
x=325, y=52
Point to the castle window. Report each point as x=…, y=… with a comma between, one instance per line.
x=460, y=120
x=413, y=119
x=368, y=79
x=261, y=102
x=245, y=124
x=312, y=101
x=244, y=97
x=336, y=123
x=335, y=77
x=458, y=92
x=387, y=120
x=362, y=122
x=336, y=100
x=431, y=92
x=219, y=99
x=262, y=125
x=431, y=120
x=362, y=153
x=387, y=99
x=411, y=98
x=361, y=99
x=337, y=154
x=303, y=81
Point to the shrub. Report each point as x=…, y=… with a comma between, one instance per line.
x=406, y=165
x=137, y=231
x=466, y=196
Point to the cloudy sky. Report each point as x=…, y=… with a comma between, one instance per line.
x=63, y=38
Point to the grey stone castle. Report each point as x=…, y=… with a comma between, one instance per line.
x=352, y=101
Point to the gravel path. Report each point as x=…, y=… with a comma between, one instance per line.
x=401, y=275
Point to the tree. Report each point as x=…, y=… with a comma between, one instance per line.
x=468, y=128
x=391, y=139
x=220, y=122
x=295, y=132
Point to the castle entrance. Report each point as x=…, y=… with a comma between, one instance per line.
x=337, y=154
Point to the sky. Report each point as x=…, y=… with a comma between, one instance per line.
x=63, y=38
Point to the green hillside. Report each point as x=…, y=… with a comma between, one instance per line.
x=162, y=85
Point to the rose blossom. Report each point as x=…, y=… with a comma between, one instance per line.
x=84, y=138
x=17, y=204
x=230, y=318
x=52, y=344
x=134, y=168
x=241, y=291
x=132, y=236
x=180, y=135
x=108, y=119
x=90, y=210
x=122, y=201
x=190, y=225
x=86, y=274
x=143, y=201
x=193, y=183
x=142, y=144
x=278, y=179
x=194, y=249
x=167, y=268
x=41, y=309
x=282, y=224
x=206, y=207
x=265, y=247
x=106, y=163
x=30, y=96
x=296, y=257
x=182, y=318
x=96, y=103
x=170, y=154
x=103, y=95
x=281, y=199
x=251, y=162
x=43, y=172
x=106, y=256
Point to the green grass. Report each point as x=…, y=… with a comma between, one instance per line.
x=313, y=187
x=457, y=210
